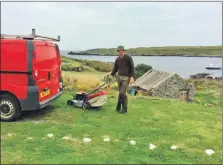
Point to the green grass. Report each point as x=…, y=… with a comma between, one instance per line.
x=166, y=51
x=164, y=123
x=208, y=92
x=193, y=127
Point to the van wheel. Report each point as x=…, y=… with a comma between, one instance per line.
x=9, y=107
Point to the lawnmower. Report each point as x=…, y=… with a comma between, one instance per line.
x=94, y=99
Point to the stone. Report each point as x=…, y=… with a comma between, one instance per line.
x=29, y=138
x=87, y=140
x=106, y=139
x=50, y=135
x=9, y=134
x=160, y=84
x=66, y=138
x=209, y=152
x=173, y=147
x=152, y=146
x=216, y=95
x=132, y=142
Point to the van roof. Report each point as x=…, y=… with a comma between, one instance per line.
x=33, y=36
x=12, y=40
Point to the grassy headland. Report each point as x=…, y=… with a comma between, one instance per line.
x=193, y=127
x=210, y=51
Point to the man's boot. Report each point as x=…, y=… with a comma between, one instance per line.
x=124, y=105
x=118, y=106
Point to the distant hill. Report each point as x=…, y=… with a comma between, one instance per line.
x=211, y=51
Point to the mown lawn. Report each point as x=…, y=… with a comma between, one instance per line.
x=164, y=123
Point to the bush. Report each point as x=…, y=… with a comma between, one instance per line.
x=141, y=69
x=70, y=67
x=97, y=65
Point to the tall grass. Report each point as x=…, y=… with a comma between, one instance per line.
x=74, y=83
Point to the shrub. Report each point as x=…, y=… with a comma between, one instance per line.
x=97, y=65
x=71, y=67
x=141, y=69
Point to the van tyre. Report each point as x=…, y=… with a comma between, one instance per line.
x=9, y=108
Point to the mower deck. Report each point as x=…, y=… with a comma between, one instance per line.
x=96, y=98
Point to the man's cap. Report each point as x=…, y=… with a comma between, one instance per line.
x=120, y=47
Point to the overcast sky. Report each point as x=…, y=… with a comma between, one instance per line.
x=109, y=24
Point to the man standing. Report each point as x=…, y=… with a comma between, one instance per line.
x=124, y=65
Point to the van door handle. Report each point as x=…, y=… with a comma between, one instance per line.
x=48, y=75
x=45, y=89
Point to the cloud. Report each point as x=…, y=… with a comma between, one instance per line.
x=108, y=24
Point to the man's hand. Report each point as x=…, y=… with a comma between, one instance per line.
x=108, y=74
x=131, y=80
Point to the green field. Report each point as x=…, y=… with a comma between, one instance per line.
x=164, y=51
x=193, y=127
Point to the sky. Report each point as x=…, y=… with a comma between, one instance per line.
x=89, y=25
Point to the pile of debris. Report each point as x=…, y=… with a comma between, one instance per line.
x=165, y=85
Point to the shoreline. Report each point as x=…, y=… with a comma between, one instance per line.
x=188, y=77
x=209, y=56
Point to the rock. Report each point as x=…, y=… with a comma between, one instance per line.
x=164, y=85
x=66, y=138
x=199, y=76
x=50, y=135
x=9, y=134
x=209, y=152
x=87, y=140
x=191, y=92
x=132, y=142
x=152, y=146
x=173, y=147
x=106, y=139
x=218, y=78
x=216, y=95
x=29, y=138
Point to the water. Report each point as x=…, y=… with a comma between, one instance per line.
x=184, y=66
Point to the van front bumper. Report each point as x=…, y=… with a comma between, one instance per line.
x=32, y=101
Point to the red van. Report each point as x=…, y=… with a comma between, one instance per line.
x=30, y=74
